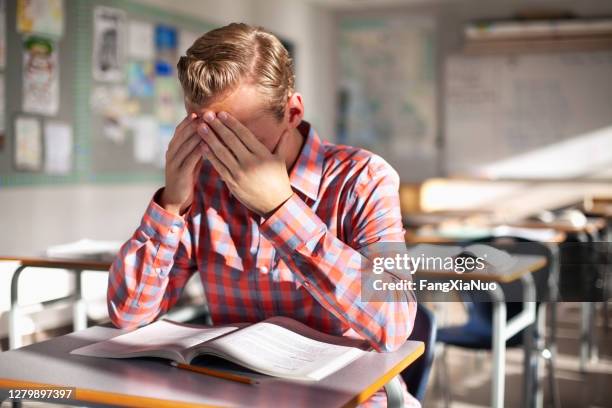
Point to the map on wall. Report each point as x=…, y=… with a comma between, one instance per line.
x=387, y=89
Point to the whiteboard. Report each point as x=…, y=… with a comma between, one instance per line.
x=502, y=107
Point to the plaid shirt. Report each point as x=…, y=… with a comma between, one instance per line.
x=303, y=261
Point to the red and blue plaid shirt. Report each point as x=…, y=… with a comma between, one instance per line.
x=303, y=261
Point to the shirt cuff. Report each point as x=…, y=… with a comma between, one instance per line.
x=161, y=225
x=292, y=225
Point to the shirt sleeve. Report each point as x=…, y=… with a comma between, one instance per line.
x=151, y=270
x=332, y=270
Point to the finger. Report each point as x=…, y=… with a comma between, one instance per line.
x=244, y=134
x=194, y=157
x=180, y=136
x=282, y=147
x=188, y=119
x=184, y=150
x=220, y=167
x=218, y=148
x=228, y=137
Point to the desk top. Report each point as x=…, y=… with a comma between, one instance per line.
x=43, y=261
x=593, y=225
x=154, y=383
x=525, y=264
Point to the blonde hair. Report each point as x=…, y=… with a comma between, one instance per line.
x=221, y=59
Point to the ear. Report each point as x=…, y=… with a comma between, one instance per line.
x=295, y=110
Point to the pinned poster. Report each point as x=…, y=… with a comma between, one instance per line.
x=141, y=40
x=28, y=144
x=58, y=147
x=165, y=44
x=40, y=76
x=41, y=17
x=146, y=143
x=108, y=42
x=2, y=33
x=140, y=79
x=168, y=99
x=186, y=40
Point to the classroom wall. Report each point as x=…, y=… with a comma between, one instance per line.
x=40, y=216
x=32, y=218
x=451, y=16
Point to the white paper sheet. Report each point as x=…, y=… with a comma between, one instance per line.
x=141, y=37
x=28, y=144
x=146, y=141
x=58, y=147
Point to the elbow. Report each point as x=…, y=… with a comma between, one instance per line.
x=396, y=327
x=120, y=318
x=125, y=316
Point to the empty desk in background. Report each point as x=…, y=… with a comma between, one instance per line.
x=503, y=329
x=152, y=383
x=77, y=266
x=593, y=231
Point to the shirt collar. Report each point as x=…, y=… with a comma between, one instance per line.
x=307, y=171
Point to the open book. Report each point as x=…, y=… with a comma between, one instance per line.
x=494, y=260
x=279, y=346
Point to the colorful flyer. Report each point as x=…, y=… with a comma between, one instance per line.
x=40, y=76
x=108, y=44
x=165, y=44
x=167, y=100
x=41, y=17
x=28, y=144
x=140, y=79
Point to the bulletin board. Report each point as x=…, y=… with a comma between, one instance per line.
x=113, y=113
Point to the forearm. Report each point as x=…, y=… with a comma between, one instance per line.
x=150, y=270
x=332, y=272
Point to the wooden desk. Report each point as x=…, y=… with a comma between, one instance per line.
x=504, y=329
x=77, y=266
x=151, y=383
x=592, y=227
x=435, y=237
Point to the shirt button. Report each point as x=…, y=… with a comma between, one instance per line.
x=264, y=269
x=306, y=284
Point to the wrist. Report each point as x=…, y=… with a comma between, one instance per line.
x=163, y=202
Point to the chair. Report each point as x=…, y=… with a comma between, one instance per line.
x=416, y=375
x=477, y=332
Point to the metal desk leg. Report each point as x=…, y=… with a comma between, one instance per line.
x=584, y=334
x=79, y=307
x=14, y=334
x=395, y=396
x=529, y=360
x=499, y=348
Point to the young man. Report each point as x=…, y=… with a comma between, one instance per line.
x=273, y=219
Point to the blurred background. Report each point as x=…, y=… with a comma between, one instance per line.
x=496, y=114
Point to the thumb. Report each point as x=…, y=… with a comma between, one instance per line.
x=282, y=148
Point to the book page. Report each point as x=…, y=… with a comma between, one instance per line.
x=162, y=338
x=275, y=350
